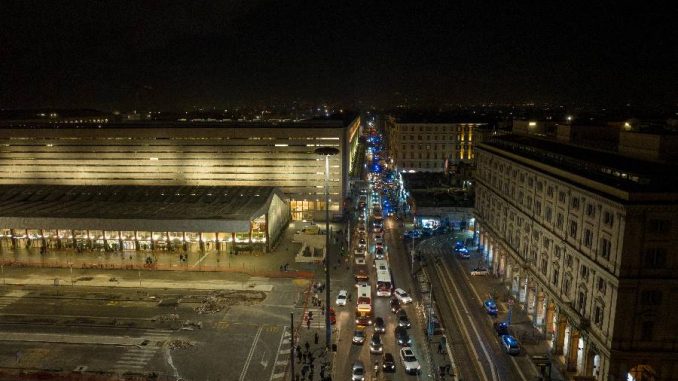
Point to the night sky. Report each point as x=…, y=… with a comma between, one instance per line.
x=175, y=55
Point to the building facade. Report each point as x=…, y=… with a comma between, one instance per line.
x=585, y=241
x=186, y=153
x=429, y=146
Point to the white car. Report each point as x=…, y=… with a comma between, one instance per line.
x=409, y=361
x=479, y=271
x=342, y=297
x=358, y=372
x=402, y=296
x=359, y=252
x=359, y=260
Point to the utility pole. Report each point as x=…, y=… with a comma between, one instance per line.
x=292, y=352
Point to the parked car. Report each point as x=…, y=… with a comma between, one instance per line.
x=409, y=361
x=490, y=307
x=501, y=328
x=510, y=344
x=388, y=363
x=359, y=335
x=342, y=297
x=358, y=371
x=402, y=296
x=402, y=337
x=395, y=305
x=376, y=346
x=403, y=320
x=479, y=271
x=379, y=325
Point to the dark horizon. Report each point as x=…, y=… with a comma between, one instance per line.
x=132, y=55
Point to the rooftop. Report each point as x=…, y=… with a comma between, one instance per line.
x=116, y=203
x=621, y=172
x=307, y=123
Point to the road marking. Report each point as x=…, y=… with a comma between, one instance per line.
x=200, y=260
x=473, y=326
x=243, y=373
x=11, y=297
x=473, y=288
x=137, y=357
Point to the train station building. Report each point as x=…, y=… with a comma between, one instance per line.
x=141, y=218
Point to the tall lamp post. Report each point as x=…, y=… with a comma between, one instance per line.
x=327, y=152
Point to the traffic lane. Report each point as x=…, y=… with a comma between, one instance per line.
x=399, y=262
x=507, y=365
x=459, y=347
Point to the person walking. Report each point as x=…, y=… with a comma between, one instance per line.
x=307, y=345
x=316, y=338
x=299, y=355
x=308, y=324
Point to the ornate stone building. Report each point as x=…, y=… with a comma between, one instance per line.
x=585, y=241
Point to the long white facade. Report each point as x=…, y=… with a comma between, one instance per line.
x=589, y=260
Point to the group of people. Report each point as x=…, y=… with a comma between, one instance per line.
x=284, y=267
x=307, y=361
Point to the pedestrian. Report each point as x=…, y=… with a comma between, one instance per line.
x=310, y=315
x=286, y=264
x=307, y=345
x=316, y=338
x=440, y=348
x=304, y=369
x=312, y=366
x=303, y=356
x=281, y=268
x=308, y=324
x=299, y=355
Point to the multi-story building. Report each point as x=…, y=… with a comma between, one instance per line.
x=585, y=241
x=186, y=153
x=429, y=144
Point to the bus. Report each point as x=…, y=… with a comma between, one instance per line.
x=384, y=284
x=363, y=311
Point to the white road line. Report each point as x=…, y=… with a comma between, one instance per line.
x=475, y=292
x=243, y=373
x=277, y=375
x=283, y=338
x=475, y=329
x=461, y=323
x=200, y=260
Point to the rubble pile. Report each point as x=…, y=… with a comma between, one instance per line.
x=179, y=344
x=217, y=301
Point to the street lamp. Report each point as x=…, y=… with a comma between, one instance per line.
x=327, y=152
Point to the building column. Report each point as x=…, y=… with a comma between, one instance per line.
x=515, y=281
x=531, y=301
x=267, y=237
x=559, y=336
x=572, y=350
x=75, y=241
x=540, y=312
x=490, y=253
x=121, y=248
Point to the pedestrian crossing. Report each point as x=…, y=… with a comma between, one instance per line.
x=136, y=358
x=317, y=320
x=11, y=297
x=282, y=358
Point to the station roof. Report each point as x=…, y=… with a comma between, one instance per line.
x=153, y=208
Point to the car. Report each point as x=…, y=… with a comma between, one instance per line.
x=379, y=325
x=490, y=307
x=376, y=346
x=501, y=328
x=359, y=335
x=510, y=344
x=388, y=363
x=379, y=237
x=360, y=261
x=395, y=305
x=479, y=271
x=463, y=253
x=412, y=234
x=402, y=296
x=409, y=361
x=379, y=253
x=401, y=336
x=358, y=371
x=403, y=320
x=361, y=227
x=359, y=252
x=342, y=297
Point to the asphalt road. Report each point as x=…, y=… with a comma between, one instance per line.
x=470, y=329
x=349, y=353
x=128, y=331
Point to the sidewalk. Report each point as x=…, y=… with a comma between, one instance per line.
x=255, y=264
